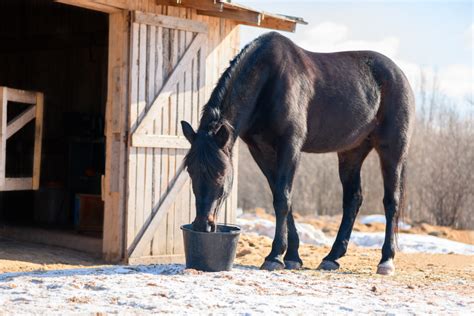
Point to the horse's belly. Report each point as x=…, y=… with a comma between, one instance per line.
x=337, y=138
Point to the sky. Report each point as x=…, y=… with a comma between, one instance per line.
x=433, y=36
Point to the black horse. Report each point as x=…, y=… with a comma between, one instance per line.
x=282, y=100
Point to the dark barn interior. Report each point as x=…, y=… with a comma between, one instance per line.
x=62, y=52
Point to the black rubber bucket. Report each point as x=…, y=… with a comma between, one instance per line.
x=211, y=252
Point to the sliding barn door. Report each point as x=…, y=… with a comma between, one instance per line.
x=167, y=81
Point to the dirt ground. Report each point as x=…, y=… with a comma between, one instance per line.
x=21, y=257
x=414, y=269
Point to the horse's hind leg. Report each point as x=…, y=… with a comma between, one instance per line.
x=392, y=163
x=350, y=164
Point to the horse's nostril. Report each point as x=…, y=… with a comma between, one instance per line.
x=213, y=227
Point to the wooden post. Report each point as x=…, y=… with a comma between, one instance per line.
x=3, y=132
x=115, y=132
x=38, y=140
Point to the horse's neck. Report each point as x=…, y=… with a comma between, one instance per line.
x=242, y=101
x=235, y=98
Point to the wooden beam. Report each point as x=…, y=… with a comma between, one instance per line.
x=275, y=24
x=3, y=132
x=160, y=141
x=169, y=87
x=251, y=17
x=38, y=140
x=143, y=238
x=91, y=5
x=119, y=4
x=160, y=259
x=170, y=22
x=21, y=120
x=16, y=184
x=115, y=129
x=207, y=5
x=21, y=96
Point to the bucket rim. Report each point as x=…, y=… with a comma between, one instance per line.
x=235, y=231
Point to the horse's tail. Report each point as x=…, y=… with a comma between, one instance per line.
x=402, y=201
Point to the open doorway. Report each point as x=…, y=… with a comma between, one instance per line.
x=62, y=52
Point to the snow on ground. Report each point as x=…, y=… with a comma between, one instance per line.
x=307, y=233
x=244, y=290
x=172, y=289
x=411, y=243
x=378, y=218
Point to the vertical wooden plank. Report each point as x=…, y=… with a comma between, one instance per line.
x=158, y=129
x=38, y=140
x=150, y=96
x=161, y=235
x=194, y=120
x=141, y=104
x=168, y=131
x=173, y=109
x=182, y=203
x=132, y=160
x=180, y=107
x=188, y=110
x=3, y=132
x=202, y=79
x=115, y=128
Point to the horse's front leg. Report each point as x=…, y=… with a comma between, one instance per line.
x=292, y=257
x=287, y=160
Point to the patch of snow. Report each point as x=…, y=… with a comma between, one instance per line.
x=378, y=218
x=172, y=289
x=307, y=233
x=410, y=243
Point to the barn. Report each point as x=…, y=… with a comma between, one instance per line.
x=91, y=95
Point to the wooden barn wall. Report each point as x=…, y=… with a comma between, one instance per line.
x=150, y=170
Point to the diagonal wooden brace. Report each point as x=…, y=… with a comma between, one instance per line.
x=144, y=237
x=169, y=87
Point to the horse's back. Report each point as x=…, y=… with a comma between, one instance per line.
x=353, y=94
x=329, y=101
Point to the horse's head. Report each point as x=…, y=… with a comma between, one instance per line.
x=209, y=163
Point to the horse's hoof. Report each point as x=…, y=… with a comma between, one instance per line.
x=328, y=265
x=293, y=265
x=386, y=268
x=272, y=266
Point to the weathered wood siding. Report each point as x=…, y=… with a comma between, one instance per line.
x=155, y=52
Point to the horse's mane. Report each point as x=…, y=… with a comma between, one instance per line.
x=204, y=153
x=212, y=113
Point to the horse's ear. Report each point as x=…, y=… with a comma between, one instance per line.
x=222, y=136
x=188, y=131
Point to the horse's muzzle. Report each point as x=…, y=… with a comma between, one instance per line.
x=204, y=224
